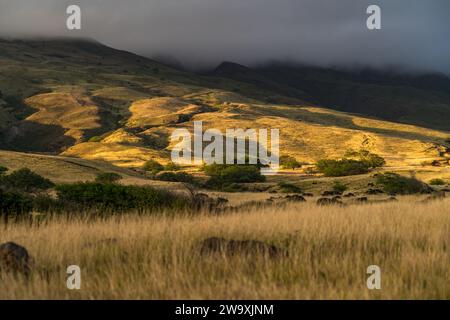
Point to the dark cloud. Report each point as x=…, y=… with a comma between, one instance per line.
x=415, y=33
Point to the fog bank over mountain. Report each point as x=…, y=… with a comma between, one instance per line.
x=203, y=33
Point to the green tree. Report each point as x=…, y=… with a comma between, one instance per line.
x=339, y=187
x=340, y=168
x=289, y=162
x=26, y=180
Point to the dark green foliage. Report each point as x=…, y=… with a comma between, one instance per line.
x=288, y=162
x=25, y=180
x=108, y=177
x=176, y=177
x=223, y=175
x=340, y=168
x=45, y=203
x=171, y=167
x=396, y=184
x=3, y=170
x=117, y=197
x=371, y=159
x=289, y=188
x=153, y=166
x=437, y=182
x=339, y=187
x=14, y=203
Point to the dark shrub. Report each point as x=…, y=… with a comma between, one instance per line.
x=3, y=170
x=176, y=177
x=108, y=177
x=396, y=184
x=371, y=159
x=45, y=203
x=289, y=188
x=223, y=175
x=344, y=167
x=339, y=187
x=171, y=167
x=289, y=162
x=25, y=180
x=437, y=182
x=117, y=197
x=153, y=166
x=14, y=203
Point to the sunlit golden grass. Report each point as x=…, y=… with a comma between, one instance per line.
x=330, y=248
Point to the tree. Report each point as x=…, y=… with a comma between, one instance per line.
x=339, y=187
x=340, y=168
x=289, y=162
x=26, y=180
x=371, y=159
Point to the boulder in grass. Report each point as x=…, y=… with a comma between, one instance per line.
x=14, y=259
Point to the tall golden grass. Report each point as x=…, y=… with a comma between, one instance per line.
x=157, y=257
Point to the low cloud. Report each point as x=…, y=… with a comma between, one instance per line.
x=203, y=33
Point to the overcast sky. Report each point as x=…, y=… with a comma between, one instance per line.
x=200, y=33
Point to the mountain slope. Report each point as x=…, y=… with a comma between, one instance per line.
x=82, y=99
x=421, y=99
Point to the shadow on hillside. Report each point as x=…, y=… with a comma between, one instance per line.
x=37, y=137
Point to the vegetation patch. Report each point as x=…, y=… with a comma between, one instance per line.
x=289, y=188
x=340, y=168
x=25, y=180
x=288, y=162
x=224, y=176
x=117, y=197
x=396, y=184
x=153, y=166
x=437, y=182
x=108, y=177
x=176, y=177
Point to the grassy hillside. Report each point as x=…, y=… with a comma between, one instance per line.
x=81, y=99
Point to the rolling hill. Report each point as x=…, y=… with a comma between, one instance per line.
x=79, y=98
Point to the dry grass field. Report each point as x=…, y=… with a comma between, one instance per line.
x=158, y=256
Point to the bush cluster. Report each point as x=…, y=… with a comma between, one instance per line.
x=394, y=183
x=224, y=175
x=117, y=197
x=340, y=168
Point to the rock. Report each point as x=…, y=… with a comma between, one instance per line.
x=295, y=198
x=307, y=194
x=349, y=195
x=328, y=201
x=374, y=191
x=234, y=247
x=362, y=199
x=331, y=193
x=14, y=259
